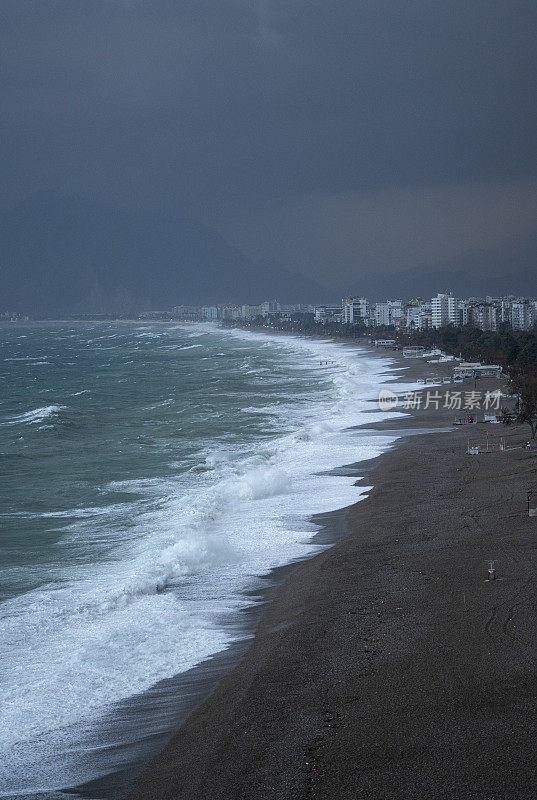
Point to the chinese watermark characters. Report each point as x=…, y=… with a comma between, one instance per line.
x=434, y=399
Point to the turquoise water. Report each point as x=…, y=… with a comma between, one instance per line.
x=150, y=474
x=89, y=407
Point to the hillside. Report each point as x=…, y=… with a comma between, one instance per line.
x=61, y=254
x=511, y=269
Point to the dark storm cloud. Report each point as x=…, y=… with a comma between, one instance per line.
x=225, y=99
x=219, y=104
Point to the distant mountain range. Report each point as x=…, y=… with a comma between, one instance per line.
x=511, y=269
x=67, y=255
x=61, y=254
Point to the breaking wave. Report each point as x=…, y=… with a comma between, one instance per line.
x=36, y=416
x=165, y=561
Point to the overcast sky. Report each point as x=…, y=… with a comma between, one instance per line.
x=338, y=136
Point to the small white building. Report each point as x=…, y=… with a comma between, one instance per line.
x=413, y=352
x=475, y=369
x=324, y=314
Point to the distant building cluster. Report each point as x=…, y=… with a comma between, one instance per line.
x=487, y=314
x=230, y=311
x=13, y=316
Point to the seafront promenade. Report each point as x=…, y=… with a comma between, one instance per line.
x=389, y=666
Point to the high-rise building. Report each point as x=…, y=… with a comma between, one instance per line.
x=209, y=313
x=444, y=310
x=465, y=312
x=505, y=310
x=269, y=307
x=355, y=309
x=485, y=317
x=389, y=312
x=231, y=311
x=250, y=312
x=533, y=313
x=418, y=316
x=186, y=312
x=521, y=316
x=326, y=313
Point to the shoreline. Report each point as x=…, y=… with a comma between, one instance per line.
x=117, y=748
x=387, y=666
x=204, y=678
x=184, y=692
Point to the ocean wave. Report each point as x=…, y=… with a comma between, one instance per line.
x=71, y=513
x=272, y=410
x=37, y=415
x=183, y=550
x=40, y=359
x=162, y=404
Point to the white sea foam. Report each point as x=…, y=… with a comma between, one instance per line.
x=178, y=559
x=26, y=358
x=35, y=416
x=162, y=404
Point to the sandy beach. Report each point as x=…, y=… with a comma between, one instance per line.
x=388, y=666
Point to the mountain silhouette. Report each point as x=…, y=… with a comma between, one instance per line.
x=509, y=269
x=69, y=255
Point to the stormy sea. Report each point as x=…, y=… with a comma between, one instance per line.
x=152, y=473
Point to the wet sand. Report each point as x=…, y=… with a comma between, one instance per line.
x=388, y=666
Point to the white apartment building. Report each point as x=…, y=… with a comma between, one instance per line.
x=231, y=312
x=327, y=314
x=269, y=307
x=521, y=316
x=418, y=317
x=186, y=312
x=355, y=309
x=444, y=310
x=389, y=312
x=505, y=311
x=486, y=317
x=297, y=308
x=250, y=312
x=209, y=313
x=465, y=312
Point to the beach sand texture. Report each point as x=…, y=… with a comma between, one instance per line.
x=388, y=666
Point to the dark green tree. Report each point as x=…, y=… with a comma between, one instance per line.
x=525, y=386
